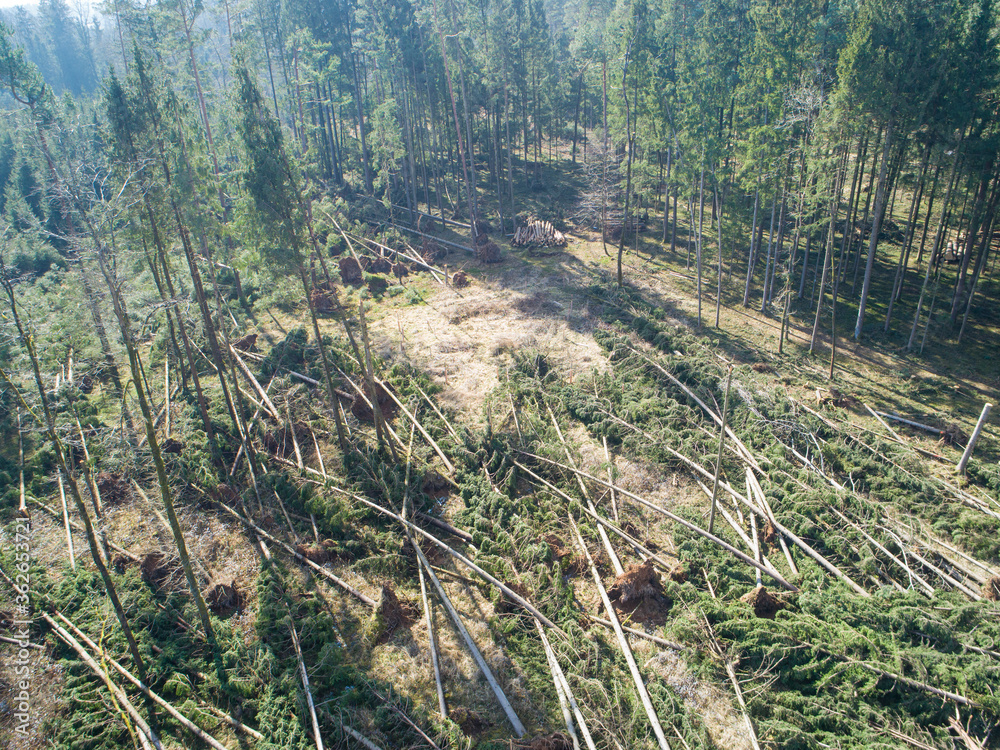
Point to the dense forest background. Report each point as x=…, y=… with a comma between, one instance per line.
x=809, y=132
x=176, y=174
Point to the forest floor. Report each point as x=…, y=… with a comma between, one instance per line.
x=539, y=329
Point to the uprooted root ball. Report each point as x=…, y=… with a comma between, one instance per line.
x=489, y=252
x=763, y=602
x=639, y=593
x=431, y=252
x=350, y=271
x=247, y=343
x=222, y=597
x=156, y=569
x=317, y=553
x=991, y=589
x=390, y=615
x=114, y=488
x=362, y=408
x=321, y=301
x=280, y=442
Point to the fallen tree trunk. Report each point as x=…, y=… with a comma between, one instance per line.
x=687, y=524
x=640, y=686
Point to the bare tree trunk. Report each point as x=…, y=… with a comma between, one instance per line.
x=767, y=267
x=930, y=209
x=576, y=111
x=827, y=259
x=876, y=228
x=904, y=255
x=718, y=293
x=984, y=250
x=628, y=171
x=752, y=255
x=978, y=216
x=701, y=222
x=935, y=249
x=666, y=195
x=365, y=154
x=469, y=187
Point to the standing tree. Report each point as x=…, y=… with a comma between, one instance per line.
x=273, y=185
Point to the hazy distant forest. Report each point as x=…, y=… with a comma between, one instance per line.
x=220, y=223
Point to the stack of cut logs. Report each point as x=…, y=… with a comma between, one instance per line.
x=538, y=234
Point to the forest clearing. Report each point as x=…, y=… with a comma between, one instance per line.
x=550, y=375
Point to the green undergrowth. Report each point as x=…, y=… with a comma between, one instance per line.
x=884, y=473
x=180, y=668
x=803, y=671
x=813, y=675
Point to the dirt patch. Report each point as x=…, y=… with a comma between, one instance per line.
x=114, y=488
x=361, y=407
x=391, y=614
x=279, y=440
x=223, y=598
x=638, y=592
x=761, y=367
x=557, y=741
x=469, y=721
x=991, y=589
x=678, y=574
x=763, y=603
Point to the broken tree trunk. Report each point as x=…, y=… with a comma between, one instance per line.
x=687, y=524
x=442, y=707
x=197, y=731
x=640, y=686
x=304, y=675
x=519, y=729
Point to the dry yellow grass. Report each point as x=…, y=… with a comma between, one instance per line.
x=460, y=339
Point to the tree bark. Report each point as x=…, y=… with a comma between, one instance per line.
x=876, y=228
